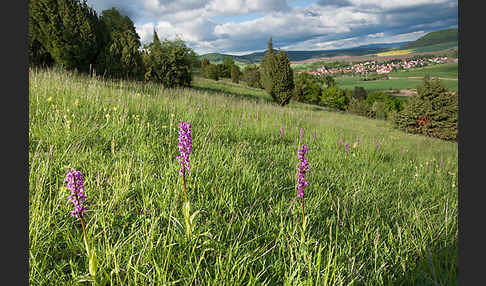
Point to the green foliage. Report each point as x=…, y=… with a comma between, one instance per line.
x=307, y=88
x=334, y=97
x=38, y=53
x=391, y=102
x=68, y=30
x=169, y=63
x=269, y=68
x=226, y=66
x=328, y=80
x=121, y=57
x=432, y=112
x=211, y=71
x=251, y=75
x=374, y=76
x=235, y=74
x=359, y=92
x=433, y=38
x=358, y=107
x=204, y=62
x=277, y=76
x=379, y=109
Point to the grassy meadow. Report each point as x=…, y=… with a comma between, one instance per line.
x=406, y=79
x=383, y=214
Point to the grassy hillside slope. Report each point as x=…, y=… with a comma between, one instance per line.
x=406, y=79
x=383, y=214
x=433, y=38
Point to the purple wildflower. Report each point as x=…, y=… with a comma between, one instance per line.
x=256, y=115
x=377, y=144
x=358, y=141
x=442, y=163
x=315, y=134
x=302, y=170
x=346, y=146
x=185, y=146
x=340, y=139
x=282, y=131
x=75, y=183
x=239, y=123
x=301, y=133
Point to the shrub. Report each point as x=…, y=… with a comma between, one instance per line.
x=379, y=110
x=235, y=74
x=169, y=63
x=212, y=72
x=432, y=112
x=226, y=66
x=334, y=97
x=359, y=92
x=307, y=88
x=392, y=103
x=358, y=107
x=204, y=62
x=251, y=75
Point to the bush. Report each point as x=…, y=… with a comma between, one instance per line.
x=307, y=88
x=392, y=103
x=334, y=97
x=432, y=112
x=360, y=92
x=169, y=63
x=212, y=72
x=235, y=74
x=379, y=110
x=226, y=66
x=358, y=107
x=204, y=62
x=251, y=75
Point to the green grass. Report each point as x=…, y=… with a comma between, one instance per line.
x=375, y=216
x=405, y=79
x=436, y=47
x=447, y=70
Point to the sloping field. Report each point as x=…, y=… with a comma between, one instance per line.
x=382, y=213
x=447, y=72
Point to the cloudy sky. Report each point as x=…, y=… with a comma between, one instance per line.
x=244, y=26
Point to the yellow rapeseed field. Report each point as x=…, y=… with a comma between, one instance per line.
x=395, y=53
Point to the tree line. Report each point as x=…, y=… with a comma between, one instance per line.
x=70, y=34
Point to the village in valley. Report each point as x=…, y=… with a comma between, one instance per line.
x=381, y=68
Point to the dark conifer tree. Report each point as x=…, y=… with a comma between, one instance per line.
x=69, y=30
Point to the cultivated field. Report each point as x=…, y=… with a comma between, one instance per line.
x=448, y=73
x=384, y=213
x=394, y=53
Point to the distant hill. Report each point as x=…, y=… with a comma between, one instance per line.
x=431, y=42
x=305, y=55
x=433, y=38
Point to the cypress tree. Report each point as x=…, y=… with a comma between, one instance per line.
x=277, y=75
x=283, y=79
x=269, y=67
